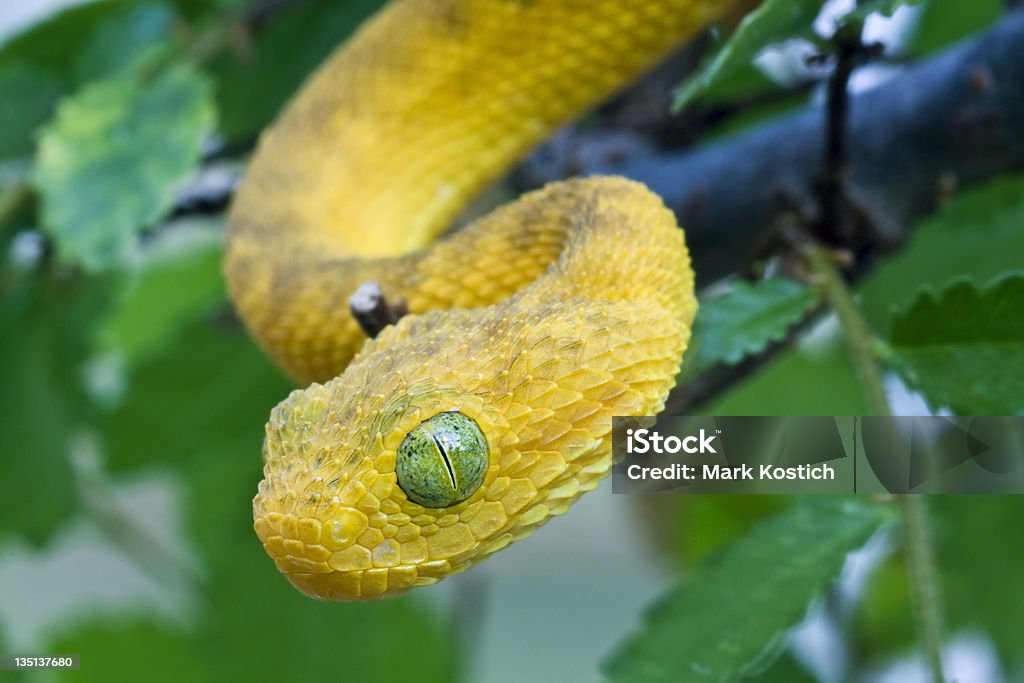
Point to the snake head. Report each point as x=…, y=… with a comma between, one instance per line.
x=371, y=492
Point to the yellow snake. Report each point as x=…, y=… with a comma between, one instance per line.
x=488, y=408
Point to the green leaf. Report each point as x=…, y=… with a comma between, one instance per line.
x=784, y=670
x=123, y=40
x=745, y=320
x=942, y=23
x=772, y=22
x=46, y=61
x=54, y=43
x=964, y=348
x=42, y=396
x=976, y=236
x=705, y=523
x=28, y=97
x=122, y=649
x=730, y=619
x=883, y=625
x=200, y=407
x=884, y=7
x=258, y=628
x=219, y=388
x=979, y=591
x=177, y=279
x=110, y=163
x=390, y=640
x=816, y=378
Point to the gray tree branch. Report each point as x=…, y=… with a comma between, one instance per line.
x=944, y=123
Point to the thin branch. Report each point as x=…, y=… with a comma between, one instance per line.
x=833, y=200
x=850, y=51
x=373, y=311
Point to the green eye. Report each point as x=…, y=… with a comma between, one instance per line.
x=443, y=461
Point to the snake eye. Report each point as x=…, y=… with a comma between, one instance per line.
x=442, y=461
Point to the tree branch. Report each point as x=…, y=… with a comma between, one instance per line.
x=947, y=122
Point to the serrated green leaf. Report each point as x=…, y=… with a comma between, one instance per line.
x=977, y=236
x=744, y=320
x=964, y=348
x=774, y=21
x=110, y=163
x=729, y=620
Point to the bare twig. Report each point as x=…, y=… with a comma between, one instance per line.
x=373, y=311
x=833, y=197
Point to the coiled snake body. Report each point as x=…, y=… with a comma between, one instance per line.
x=488, y=409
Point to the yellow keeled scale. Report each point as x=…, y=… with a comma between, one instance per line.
x=537, y=323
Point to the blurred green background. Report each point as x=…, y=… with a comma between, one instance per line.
x=132, y=403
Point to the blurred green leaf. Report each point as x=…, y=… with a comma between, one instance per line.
x=210, y=388
x=964, y=348
x=258, y=628
x=729, y=620
x=814, y=379
x=28, y=96
x=54, y=42
x=47, y=322
x=130, y=650
x=200, y=407
x=745, y=320
x=883, y=626
x=206, y=9
x=884, y=7
x=75, y=46
x=982, y=584
x=785, y=669
x=774, y=21
x=177, y=279
x=707, y=523
x=944, y=22
x=977, y=236
x=110, y=163
x=253, y=84
x=391, y=640
x=122, y=40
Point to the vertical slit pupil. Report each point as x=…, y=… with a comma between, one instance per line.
x=447, y=462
